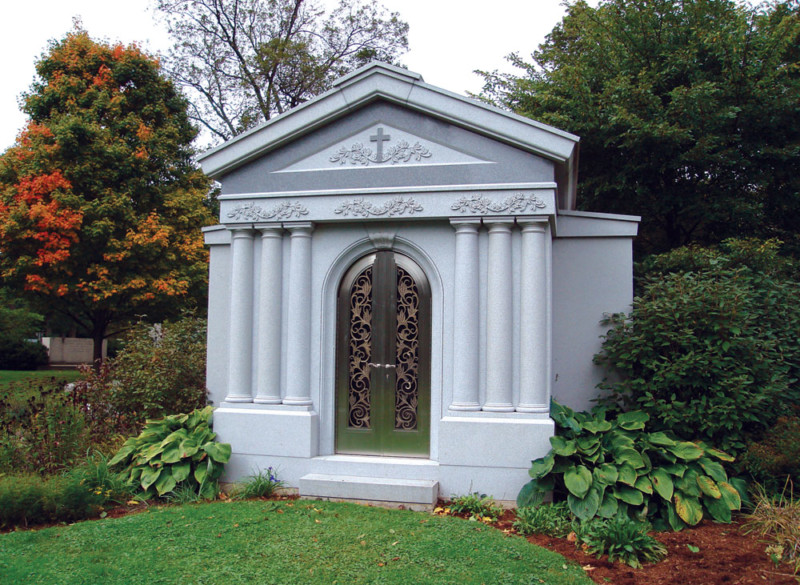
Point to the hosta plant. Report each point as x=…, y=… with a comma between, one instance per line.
x=621, y=538
x=177, y=450
x=606, y=467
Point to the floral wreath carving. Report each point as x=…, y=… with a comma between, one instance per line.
x=396, y=206
x=480, y=204
x=358, y=154
x=253, y=212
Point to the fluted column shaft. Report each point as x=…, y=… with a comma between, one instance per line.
x=268, y=364
x=298, y=344
x=466, y=342
x=534, y=387
x=499, y=332
x=241, y=317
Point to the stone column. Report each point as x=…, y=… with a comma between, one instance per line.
x=499, y=333
x=466, y=306
x=268, y=362
x=298, y=344
x=533, y=375
x=240, y=342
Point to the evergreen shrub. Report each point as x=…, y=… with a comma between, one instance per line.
x=710, y=350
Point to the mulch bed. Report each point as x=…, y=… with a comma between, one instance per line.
x=726, y=556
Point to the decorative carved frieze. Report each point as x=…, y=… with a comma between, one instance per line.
x=358, y=154
x=391, y=208
x=253, y=212
x=480, y=204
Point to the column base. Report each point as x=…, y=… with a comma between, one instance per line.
x=240, y=398
x=267, y=400
x=498, y=407
x=465, y=406
x=302, y=401
x=534, y=408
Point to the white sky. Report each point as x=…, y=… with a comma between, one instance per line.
x=448, y=40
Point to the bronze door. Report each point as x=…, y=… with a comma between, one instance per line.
x=383, y=358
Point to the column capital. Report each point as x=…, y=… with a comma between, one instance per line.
x=269, y=228
x=499, y=224
x=465, y=224
x=299, y=227
x=533, y=224
x=241, y=231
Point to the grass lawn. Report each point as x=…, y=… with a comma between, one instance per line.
x=261, y=542
x=20, y=382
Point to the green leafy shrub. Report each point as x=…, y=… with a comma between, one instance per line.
x=160, y=370
x=710, y=350
x=262, y=484
x=609, y=467
x=22, y=354
x=622, y=539
x=177, y=450
x=550, y=519
x=44, y=434
x=777, y=456
x=476, y=506
x=26, y=500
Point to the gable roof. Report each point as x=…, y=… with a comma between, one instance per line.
x=396, y=85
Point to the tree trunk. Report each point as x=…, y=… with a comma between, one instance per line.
x=98, y=335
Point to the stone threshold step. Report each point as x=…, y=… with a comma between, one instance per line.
x=371, y=489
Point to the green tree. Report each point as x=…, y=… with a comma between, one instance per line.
x=100, y=202
x=243, y=61
x=687, y=112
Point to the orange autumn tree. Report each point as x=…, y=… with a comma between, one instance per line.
x=100, y=203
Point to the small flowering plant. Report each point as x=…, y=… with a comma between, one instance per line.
x=264, y=483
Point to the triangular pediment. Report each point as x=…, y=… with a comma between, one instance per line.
x=382, y=83
x=381, y=146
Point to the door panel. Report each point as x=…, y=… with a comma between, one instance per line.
x=383, y=358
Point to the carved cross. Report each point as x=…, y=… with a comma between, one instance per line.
x=380, y=138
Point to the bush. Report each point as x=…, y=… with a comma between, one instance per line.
x=710, y=350
x=161, y=370
x=776, y=457
x=174, y=452
x=614, y=467
x=550, y=519
x=28, y=499
x=21, y=354
x=622, y=539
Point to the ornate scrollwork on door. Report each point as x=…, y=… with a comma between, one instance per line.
x=407, y=364
x=360, y=350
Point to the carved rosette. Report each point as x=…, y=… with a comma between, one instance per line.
x=253, y=212
x=393, y=207
x=358, y=154
x=358, y=416
x=407, y=359
x=480, y=204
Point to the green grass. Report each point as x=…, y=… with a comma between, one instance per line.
x=262, y=542
x=20, y=383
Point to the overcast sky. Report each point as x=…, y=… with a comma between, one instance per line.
x=447, y=39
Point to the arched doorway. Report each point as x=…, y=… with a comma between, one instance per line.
x=383, y=358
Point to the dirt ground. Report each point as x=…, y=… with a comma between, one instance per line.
x=726, y=556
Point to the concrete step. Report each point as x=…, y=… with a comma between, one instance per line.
x=412, y=492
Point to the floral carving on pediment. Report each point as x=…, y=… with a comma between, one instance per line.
x=480, y=204
x=253, y=212
x=396, y=206
x=402, y=152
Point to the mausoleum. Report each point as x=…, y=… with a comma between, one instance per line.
x=399, y=283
